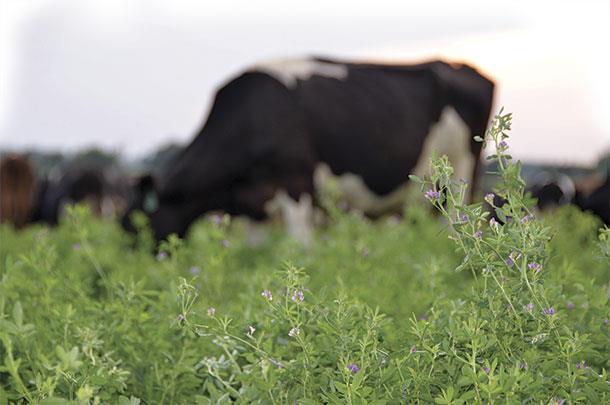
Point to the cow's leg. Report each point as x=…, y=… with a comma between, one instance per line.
x=256, y=232
x=297, y=216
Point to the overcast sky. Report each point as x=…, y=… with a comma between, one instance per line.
x=133, y=75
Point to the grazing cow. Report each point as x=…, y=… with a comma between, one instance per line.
x=552, y=189
x=279, y=129
x=591, y=193
x=75, y=185
x=17, y=188
x=595, y=199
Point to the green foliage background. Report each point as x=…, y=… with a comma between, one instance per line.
x=89, y=315
x=84, y=314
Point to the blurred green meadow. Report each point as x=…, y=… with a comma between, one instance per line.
x=89, y=313
x=453, y=308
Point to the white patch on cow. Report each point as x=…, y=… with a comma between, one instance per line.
x=450, y=136
x=288, y=71
x=297, y=215
x=355, y=193
x=108, y=207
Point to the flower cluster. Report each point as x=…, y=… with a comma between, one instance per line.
x=549, y=311
x=267, y=294
x=535, y=267
x=353, y=368
x=298, y=296
x=432, y=195
x=294, y=332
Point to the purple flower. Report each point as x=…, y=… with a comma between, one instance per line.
x=606, y=322
x=161, y=256
x=226, y=243
x=423, y=317
x=486, y=369
x=526, y=218
x=365, y=252
x=294, y=332
x=353, y=368
x=529, y=307
x=181, y=318
x=195, y=270
x=494, y=224
x=570, y=305
x=298, y=296
x=549, y=311
x=523, y=365
x=489, y=197
x=343, y=205
x=510, y=262
x=413, y=349
x=464, y=181
x=464, y=218
x=478, y=234
x=216, y=219
x=432, y=195
x=582, y=365
x=211, y=311
x=559, y=401
x=267, y=294
x=535, y=267
x=76, y=246
x=503, y=145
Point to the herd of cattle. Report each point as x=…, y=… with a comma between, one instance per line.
x=279, y=131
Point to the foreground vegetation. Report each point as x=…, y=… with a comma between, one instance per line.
x=422, y=309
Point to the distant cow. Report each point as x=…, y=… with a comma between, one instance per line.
x=279, y=129
x=552, y=189
x=17, y=188
x=76, y=185
x=591, y=193
x=596, y=198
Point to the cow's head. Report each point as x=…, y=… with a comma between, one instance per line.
x=170, y=210
x=146, y=198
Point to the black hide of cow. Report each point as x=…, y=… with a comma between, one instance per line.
x=597, y=202
x=262, y=136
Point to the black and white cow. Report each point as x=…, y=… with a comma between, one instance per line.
x=279, y=129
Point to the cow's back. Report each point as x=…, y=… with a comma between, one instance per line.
x=372, y=123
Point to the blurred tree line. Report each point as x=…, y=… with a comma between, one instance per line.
x=158, y=161
x=47, y=163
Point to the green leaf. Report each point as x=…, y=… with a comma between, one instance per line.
x=415, y=178
x=18, y=314
x=342, y=388
x=123, y=400
x=54, y=401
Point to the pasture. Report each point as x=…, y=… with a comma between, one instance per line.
x=425, y=308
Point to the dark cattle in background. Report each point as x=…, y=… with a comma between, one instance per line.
x=75, y=185
x=552, y=189
x=590, y=193
x=595, y=199
x=278, y=130
x=17, y=188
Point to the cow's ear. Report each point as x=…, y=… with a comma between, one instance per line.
x=147, y=188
